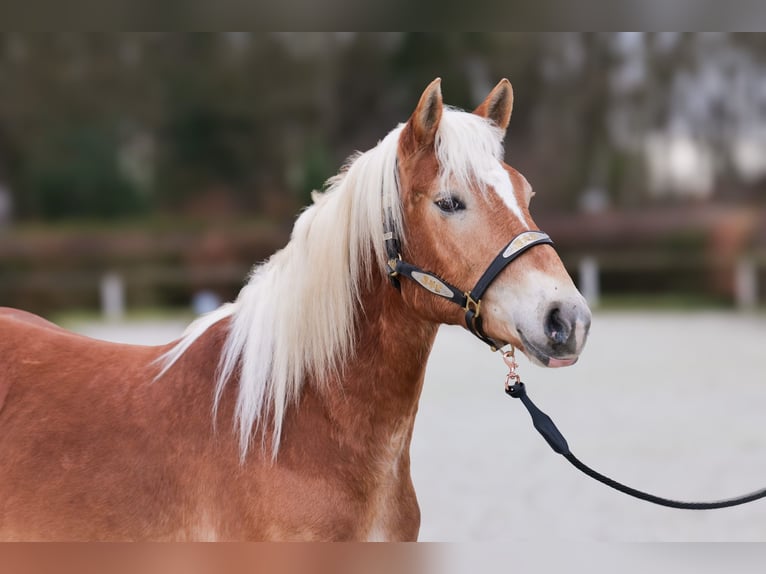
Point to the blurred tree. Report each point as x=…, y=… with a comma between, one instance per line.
x=77, y=176
x=171, y=120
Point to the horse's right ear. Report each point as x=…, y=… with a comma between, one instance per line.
x=498, y=105
x=424, y=121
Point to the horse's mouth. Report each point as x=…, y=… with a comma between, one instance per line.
x=543, y=358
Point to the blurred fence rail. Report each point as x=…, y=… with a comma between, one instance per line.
x=45, y=270
x=705, y=252
x=703, y=255
x=174, y=284
x=695, y=275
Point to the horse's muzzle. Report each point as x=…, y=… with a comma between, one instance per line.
x=565, y=327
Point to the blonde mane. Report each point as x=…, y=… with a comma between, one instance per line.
x=295, y=318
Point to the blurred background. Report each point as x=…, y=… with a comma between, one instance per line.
x=165, y=164
x=142, y=175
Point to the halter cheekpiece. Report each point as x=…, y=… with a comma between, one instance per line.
x=470, y=301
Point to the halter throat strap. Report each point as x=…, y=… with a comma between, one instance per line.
x=470, y=301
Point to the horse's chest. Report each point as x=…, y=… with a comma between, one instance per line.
x=393, y=512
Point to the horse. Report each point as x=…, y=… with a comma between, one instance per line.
x=287, y=414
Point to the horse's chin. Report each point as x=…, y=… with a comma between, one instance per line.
x=557, y=363
x=542, y=359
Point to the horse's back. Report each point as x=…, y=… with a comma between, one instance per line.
x=41, y=363
x=7, y=314
x=22, y=331
x=30, y=344
x=18, y=329
x=41, y=355
x=78, y=416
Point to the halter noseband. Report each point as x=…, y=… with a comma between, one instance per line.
x=470, y=301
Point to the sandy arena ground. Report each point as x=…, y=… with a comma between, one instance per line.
x=672, y=403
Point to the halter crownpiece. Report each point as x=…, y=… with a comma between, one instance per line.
x=470, y=301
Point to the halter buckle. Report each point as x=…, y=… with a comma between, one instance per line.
x=471, y=305
x=392, y=265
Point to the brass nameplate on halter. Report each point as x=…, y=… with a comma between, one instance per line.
x=522, y=241
x=432, y=284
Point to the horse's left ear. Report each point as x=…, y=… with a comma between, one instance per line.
x=498, y=104
x=424, y=122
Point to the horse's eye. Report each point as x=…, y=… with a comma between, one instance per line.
x=450, y=204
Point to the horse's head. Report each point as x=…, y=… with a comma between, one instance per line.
x=461, y=204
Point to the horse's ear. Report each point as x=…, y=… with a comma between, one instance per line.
x=424, y=121
x=498, y=104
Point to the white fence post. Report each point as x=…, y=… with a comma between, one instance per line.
x=112, y=297
x=589, y=280
x=746, y=284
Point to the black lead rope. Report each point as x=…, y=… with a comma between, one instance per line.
x=546, y=427
x=471, y=303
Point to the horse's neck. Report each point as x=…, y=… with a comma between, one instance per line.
x=376, y=397
x=373, y=399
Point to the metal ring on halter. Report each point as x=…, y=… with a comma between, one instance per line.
x=392, y=266
x=512, y=378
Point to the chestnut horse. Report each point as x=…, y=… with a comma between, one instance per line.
x=288, y=413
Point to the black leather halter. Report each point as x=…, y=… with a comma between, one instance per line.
x=470, y=301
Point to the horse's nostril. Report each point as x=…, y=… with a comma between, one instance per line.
x=556, y=327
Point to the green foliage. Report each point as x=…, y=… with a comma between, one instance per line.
x=238, y=116
x=77, y=175
x=203, y=147
x=317, y=168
